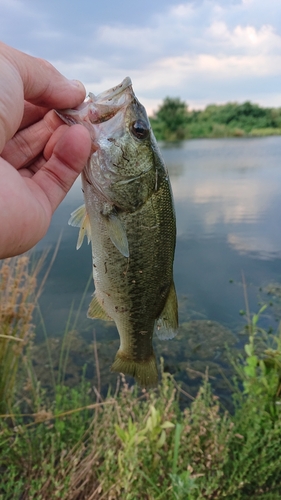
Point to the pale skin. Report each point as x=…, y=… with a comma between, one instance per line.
x=40, y=157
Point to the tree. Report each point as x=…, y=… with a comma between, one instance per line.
x=171, y=118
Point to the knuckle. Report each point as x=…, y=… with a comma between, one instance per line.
x=23, y=146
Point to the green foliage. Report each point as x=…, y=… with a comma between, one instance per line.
x=260, y=371
x=173, y=121
x=139, y=445
x=170, y=120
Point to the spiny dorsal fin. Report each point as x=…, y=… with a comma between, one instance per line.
x=167, y=324
x=96, y=311
x=117, y=233
x=79, y=218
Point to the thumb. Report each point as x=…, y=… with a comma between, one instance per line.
x=68, y=159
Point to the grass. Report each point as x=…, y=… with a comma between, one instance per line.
x=17, y=302
x=136, y=444
x=263, y=132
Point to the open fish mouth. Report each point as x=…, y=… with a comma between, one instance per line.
x=102, y=107
x=107, y=104
x=107, y=96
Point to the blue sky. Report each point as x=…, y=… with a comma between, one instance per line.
x=203, y=51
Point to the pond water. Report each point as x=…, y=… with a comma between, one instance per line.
x=228, y=205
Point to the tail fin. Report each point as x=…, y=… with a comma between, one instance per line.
x=144, y=372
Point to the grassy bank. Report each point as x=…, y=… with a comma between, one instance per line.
x=173, y=121
x=71, y=443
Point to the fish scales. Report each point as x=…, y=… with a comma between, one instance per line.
x=138, y=281
x=129, y=217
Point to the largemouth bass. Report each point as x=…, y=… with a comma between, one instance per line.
x=129, y=218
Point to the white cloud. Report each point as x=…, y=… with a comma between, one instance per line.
x=14, y=6
x=207, y=51
x=143, y=39
x=182, y=76
x=186, y=49
x=246, y=37
x=183, y=11
x=15, y=10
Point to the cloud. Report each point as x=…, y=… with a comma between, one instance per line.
x=245, y=39
x=192, y=50
x=183, y=34
x=16, y=7
x=204, y=51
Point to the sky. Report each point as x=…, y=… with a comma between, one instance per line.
x=202, y=51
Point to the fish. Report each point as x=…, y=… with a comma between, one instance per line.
x=129, y=218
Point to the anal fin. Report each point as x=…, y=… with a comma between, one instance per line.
x=96, y=311
x=167, y=324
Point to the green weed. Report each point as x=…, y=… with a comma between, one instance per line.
x=130, y=445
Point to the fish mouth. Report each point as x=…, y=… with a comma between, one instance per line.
x=109, y=95
x=99, y=108
x=106, y=105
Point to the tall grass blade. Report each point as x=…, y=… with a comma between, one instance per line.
x=18, y=281
x=178, y=431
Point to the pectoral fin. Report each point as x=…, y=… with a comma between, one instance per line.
x=167, y=324
x=79, y=218
x=117, y=233
x=96, y=311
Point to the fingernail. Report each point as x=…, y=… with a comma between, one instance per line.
x=77, y=84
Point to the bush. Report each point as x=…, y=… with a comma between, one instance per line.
x=173, y=121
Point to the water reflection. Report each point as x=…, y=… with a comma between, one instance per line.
x=229, y=187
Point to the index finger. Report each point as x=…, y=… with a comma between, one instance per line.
x=32, y=114
x=43, y=84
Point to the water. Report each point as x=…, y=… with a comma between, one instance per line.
x=228, y=204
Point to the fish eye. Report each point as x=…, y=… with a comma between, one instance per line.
x=139, y=129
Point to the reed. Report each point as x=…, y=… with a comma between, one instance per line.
x=18, y=281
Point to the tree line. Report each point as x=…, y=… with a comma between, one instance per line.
x=173, y=121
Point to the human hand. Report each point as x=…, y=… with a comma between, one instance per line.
x=40, y=157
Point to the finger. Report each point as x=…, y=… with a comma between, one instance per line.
x=32, y=169
x=69, y=156
x=32, y=114
x=43, y=84
x=27, y=144
x=36, y=81
x=58, y=133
